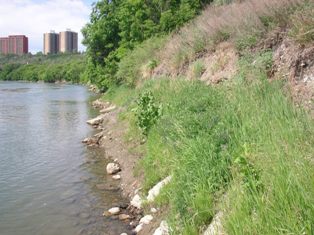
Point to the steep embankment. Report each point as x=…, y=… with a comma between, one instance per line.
x=240, y=147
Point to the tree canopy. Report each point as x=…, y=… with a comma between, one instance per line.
x=117, y=26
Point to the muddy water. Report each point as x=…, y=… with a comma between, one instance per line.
x=50, y=183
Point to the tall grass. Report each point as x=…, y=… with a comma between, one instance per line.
x=246, y=143
x=241, y=148
x=246, y=21
x=139, y=61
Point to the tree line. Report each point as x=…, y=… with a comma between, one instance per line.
x=117, y=26
x=51, y=68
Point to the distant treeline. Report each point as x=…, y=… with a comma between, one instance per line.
x=50, y=68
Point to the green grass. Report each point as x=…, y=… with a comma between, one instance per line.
x=132, y=65
x=241, y=147
x=198, y=69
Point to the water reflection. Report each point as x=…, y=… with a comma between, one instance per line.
x=49, y=182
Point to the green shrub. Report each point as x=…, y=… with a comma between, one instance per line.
x=246, y=42
x=147, y=111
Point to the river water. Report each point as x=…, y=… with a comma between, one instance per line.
x=48, y=178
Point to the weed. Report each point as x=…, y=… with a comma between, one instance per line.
x=246, y=42
x=303, y=24
x=198, y=69
x=147, y=111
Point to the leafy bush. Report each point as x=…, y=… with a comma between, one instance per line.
x=117, y=27
x=147, y=111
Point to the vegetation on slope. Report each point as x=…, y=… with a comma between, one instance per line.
x=116, y=27
x=241, y=147
x=51, y=68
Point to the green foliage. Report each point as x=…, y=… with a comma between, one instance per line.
x=116, y=27
x=52, y=68
x=222, y=2
x=235, y=148
x=152, y=64
x=147, y=112
x=198, y=69
x=246, y=42
x=130, y=66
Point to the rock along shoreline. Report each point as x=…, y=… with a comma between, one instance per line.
x=110, y=138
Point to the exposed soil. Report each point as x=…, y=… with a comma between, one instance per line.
x=117, y=149
x=112, y=139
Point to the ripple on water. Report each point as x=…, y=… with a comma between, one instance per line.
x=48, y=179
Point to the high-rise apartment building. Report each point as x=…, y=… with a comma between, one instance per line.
x=51, y=43
x=14, y=44
x=68, y=41
x=4, y=46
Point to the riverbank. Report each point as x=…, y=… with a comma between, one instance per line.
x=220, y=146
x=112, y=139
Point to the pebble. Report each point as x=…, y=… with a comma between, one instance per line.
x=116, y=177
x=138, y=228
x=124, y=217
x=114, y=210
x=163, y=229
x=136, y=201
x=146, y=219
x=112, y=168
x=154, y=192
x=153, y=210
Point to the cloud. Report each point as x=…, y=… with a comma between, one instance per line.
x=34, y=17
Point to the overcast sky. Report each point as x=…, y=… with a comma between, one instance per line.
x=35, y=17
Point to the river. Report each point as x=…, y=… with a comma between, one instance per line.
x=48, y=178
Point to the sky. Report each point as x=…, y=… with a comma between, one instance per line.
x=33, y=18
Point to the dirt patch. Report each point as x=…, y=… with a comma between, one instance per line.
x=295, y=63
x=117, y=149
x=220, y=65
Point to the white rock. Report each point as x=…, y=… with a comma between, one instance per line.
x=112, y=168
x=154, y=192
x=96, y=120
x=86, y=140
x=146, y=219
x=215, y=227
x=123, y=234
x=136, y=201
x=114, y=210
x=138, y=228
x=98, y=103
x=99, y=135
x=153, y=210
x=108, y=110
x=163, y=229
x=116, y=177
